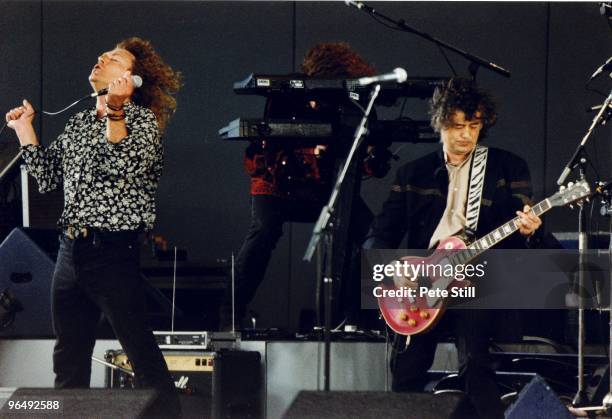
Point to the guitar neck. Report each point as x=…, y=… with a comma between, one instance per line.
x=497, y=235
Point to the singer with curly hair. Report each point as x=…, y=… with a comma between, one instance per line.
x=108, y=160
x=427, y=203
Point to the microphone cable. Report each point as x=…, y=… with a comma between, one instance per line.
x=66, y=108
x=18, y=156
x=50, y=113
x=136, y=80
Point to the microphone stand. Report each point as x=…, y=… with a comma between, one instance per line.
x=322, y=236
x=13, y=162
x=10, y=165
x=579, y=160
x=606, y=211
x=401, y=24
x=605, y=189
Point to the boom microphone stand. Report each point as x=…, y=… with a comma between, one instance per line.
x=13, y=162
x=579, y=160
x=605, y=190
x=475, y=61
x=606, y=210
x=322, y=235
x=10, y=165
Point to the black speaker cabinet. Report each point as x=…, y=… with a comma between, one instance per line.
x=227, y=384
x=27, y=261
x=537, y=401
x=375, y=404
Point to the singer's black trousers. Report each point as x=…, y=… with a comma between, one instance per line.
x=100, y=274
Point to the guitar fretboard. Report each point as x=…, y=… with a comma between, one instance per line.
x=495, y=236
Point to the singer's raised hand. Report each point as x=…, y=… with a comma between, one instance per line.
x=21, y=116
x=20, y=119
x=120, y=89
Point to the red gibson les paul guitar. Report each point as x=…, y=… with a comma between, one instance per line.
x=410, y=316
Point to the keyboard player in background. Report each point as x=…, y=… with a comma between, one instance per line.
x=292, y=183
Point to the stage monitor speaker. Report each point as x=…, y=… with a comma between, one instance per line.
x=375, y=404
x=537, y=401
x=236, y=385
x=218, y=385
x=27, y=261
x=42, y=403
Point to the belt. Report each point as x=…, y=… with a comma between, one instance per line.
x=74, y=233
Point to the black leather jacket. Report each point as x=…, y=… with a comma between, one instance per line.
x=418, y=198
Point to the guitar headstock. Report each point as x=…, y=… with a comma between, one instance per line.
x=570, y=194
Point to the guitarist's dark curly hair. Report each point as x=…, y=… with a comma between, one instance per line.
x=461, y=94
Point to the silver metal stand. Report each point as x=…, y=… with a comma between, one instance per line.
x=11, y=164
x=579, y=160
x=322, y=237
x=25, y=197
x=113, y=366
x=580, y=399
x=607, y=211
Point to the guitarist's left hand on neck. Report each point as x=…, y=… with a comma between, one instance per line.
x=529, y=222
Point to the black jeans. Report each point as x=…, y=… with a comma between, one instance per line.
x=100, y=274
x=472, y=330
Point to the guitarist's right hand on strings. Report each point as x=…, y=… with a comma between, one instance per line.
x=403, y=280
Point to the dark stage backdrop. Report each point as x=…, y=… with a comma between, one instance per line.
x=48, y=49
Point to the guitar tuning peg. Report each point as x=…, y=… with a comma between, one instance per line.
x=588, y=199
x=569, y=185
x=571, y=206
x=562, y=187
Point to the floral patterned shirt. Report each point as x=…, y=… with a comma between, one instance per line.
x=109, y=186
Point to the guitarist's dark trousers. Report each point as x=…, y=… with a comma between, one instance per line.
x=472, y=330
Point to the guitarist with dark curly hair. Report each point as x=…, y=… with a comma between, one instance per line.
x=428, y=202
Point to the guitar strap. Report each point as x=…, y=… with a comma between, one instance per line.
x=477, y=175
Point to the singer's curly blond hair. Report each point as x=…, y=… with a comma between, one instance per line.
x=160, y=83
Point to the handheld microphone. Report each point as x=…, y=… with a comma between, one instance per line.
x=604, y=67
x=136, y=81
x=356, y=4
x=360, y=6
x=398, y=75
